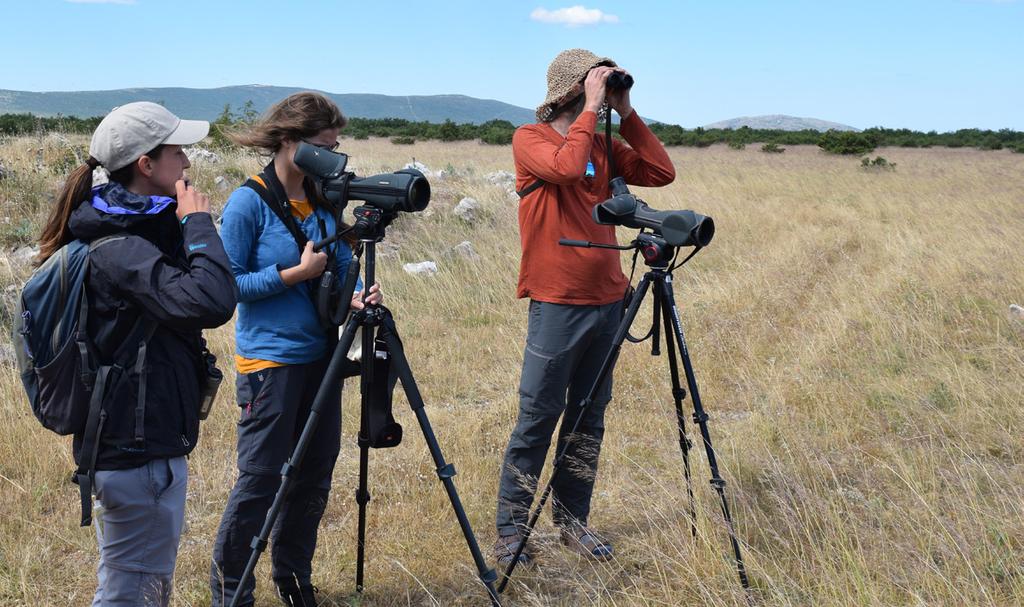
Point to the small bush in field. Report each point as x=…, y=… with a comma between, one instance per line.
x=879, y=163
x=737, y=145
x=403, y=140
x=772, y=148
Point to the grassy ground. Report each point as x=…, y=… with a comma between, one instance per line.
x=851, y=336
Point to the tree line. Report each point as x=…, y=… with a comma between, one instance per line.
x=499, y=132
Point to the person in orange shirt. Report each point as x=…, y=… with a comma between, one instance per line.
x=575, y=293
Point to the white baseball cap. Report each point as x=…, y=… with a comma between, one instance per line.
x=133, y=129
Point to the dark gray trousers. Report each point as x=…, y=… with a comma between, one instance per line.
x=565, y=346
x=275, y=406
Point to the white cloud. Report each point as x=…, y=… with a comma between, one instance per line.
x=101, y=1
x=573, y=16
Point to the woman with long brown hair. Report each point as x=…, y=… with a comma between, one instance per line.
x=159, y=278
x=282, y=349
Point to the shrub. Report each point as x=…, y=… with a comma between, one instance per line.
x=879, y=163
x=991, y=143
x=737, y=145
x=496, y=137
x=228, y=121
x=847, y=142
x=403, y=140
x=772, y=148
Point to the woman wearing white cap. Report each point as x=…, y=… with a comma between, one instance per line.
x=159, y=278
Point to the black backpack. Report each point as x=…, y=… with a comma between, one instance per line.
x=58, y=363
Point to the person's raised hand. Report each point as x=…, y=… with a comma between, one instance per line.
x=618, y=99
x=189, y=200
x=594, y=87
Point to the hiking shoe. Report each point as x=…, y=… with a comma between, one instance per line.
x=505, y=548
x=584, y=540
x=297, y=596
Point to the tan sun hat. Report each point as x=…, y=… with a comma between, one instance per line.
x=568, y=69
x=133, y=129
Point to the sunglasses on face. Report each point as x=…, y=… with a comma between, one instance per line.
x=330, y=147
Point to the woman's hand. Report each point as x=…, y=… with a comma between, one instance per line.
x=311, y=265
x=373, y=297
x=189, y=200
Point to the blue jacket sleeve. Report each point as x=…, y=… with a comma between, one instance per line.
x=240, y=229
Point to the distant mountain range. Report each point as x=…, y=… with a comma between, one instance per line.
x=207, y=104
x=780, y=122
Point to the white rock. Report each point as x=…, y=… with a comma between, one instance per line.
x=8, y=357
x=100, y=176
x=196, y=153
x=501, y=177
x=423, y=268
x=1017, y=311
x=419, y=166
x=24, y=255
x=422, y=168
x=468, y=210
x=465, y=250
x=386, y=250
x=222, y=183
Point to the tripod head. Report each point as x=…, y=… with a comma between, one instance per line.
x=656, y=251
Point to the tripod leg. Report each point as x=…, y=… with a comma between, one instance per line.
x=678, y=394
x=602, y=376
x=330, y=385
x=701, y=418
x=363, y=493
x=362, y=498
x=445, y=471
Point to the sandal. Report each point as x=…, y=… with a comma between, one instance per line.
x=505, y=548
x=586, y=541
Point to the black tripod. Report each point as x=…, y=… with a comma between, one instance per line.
x=373, y=319
x=658, y=255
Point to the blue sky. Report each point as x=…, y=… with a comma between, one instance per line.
x=936, y=64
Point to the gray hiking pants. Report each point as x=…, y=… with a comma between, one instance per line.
x=139, y=514
x=565, y=347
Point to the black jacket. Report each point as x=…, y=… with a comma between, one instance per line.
x=177, y=275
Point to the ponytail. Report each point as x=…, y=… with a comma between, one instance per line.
x=76, y=189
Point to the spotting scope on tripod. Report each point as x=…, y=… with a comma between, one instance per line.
x=661, y=235
x=385, y=196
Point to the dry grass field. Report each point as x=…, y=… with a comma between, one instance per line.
x=851, y=335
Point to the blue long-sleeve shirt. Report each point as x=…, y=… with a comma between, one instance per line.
x=275, y=322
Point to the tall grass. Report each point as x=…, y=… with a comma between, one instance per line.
x=851, y=338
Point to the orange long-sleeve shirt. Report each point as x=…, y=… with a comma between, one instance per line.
x=562, y=207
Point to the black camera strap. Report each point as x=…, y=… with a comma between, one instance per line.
x=608, y=143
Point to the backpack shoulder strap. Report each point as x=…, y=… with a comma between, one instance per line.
x=96, y=381
x=531, y=188
x=264, y=186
